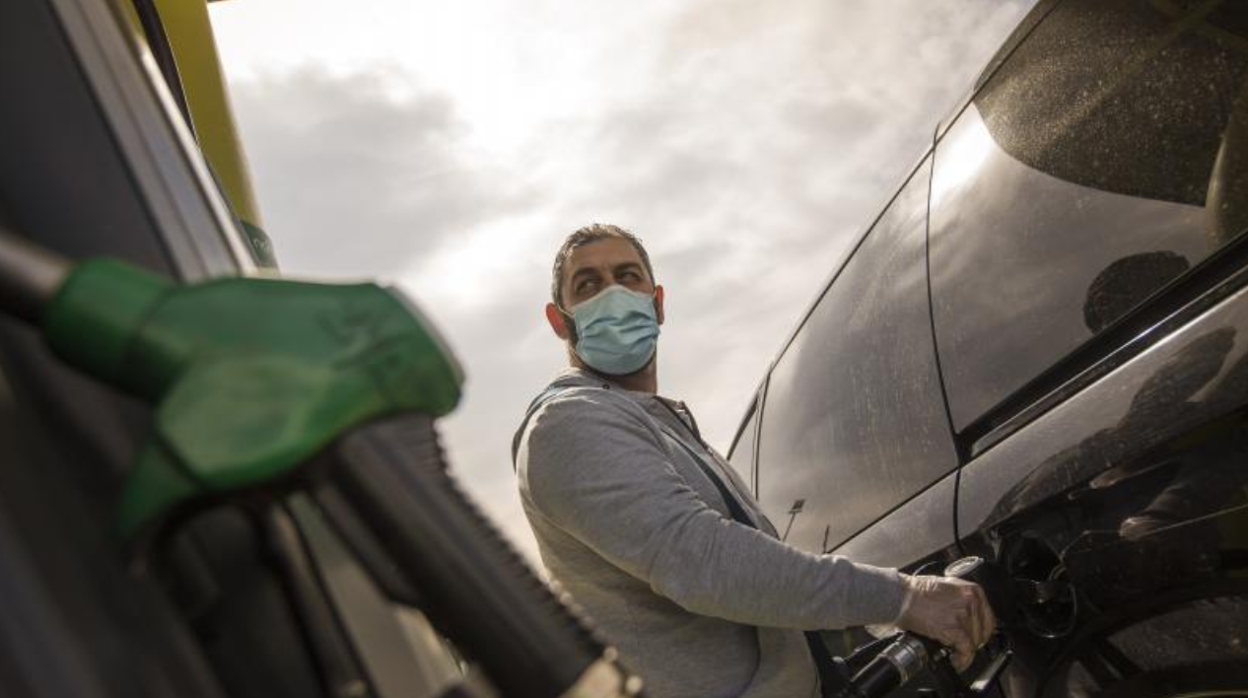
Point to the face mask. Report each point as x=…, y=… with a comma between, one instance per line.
x=616, y=330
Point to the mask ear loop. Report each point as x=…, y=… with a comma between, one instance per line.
x=569, y=323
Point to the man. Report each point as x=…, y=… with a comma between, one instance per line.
x=652, y=532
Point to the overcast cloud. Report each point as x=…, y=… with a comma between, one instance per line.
x=451, y=148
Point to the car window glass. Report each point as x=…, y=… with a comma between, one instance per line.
x=1103, y=160
x=853, y=422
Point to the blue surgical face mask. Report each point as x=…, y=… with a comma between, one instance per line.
x=616, y=330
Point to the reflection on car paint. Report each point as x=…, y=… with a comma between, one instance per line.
x=1144, y=511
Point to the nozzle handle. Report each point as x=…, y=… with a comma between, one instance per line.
x=908, y=655
x=892, y=668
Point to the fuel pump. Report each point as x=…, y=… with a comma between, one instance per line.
x=264, y=387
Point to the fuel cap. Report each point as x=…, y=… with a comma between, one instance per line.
x=964, y=568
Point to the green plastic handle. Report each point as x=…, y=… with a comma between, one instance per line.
x=250, y=377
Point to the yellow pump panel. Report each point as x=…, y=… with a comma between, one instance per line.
x=188, y=31
x=195, y=50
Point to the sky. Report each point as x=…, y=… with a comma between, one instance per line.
x=448, y=148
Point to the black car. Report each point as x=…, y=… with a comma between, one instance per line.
x=1038, y=354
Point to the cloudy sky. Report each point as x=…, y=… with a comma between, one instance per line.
x=450, y=147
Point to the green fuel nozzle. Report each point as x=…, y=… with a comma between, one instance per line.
x=250, y=376
x=264, y=386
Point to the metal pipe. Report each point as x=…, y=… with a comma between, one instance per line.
x=29, y=276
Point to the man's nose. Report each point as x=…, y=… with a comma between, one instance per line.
x=608, y=280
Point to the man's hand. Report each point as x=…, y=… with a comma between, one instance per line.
x=951, y=611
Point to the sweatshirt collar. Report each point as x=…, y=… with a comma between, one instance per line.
x=656, y=405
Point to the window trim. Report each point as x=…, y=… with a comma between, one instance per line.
x=749, y=414
x=753, y=412
x=758, y=434
x=162, y=52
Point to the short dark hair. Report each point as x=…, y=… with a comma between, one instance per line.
x=591, y=233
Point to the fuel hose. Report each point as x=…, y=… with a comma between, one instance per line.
x=473, y=586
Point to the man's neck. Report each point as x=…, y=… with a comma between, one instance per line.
x=644, y=381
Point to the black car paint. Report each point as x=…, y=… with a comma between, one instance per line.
x=1109, y=482
x=1133, y=492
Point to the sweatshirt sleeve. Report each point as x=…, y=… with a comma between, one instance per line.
x=595, y=468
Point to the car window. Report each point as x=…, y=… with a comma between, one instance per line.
x=853, y=422
x=1103, y=160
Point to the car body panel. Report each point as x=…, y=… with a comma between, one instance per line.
x=911, y=533
x=1133, y=493
x=1194, y=377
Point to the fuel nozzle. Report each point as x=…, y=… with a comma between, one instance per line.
x=909, y=655
x=992, y=579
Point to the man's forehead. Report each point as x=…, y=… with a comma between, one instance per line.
x=608, y=252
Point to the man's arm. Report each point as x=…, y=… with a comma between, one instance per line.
x=595, y=468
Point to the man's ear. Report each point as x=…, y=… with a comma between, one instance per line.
x=557, y=321
x=658, y=303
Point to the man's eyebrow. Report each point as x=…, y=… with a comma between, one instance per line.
x=627, y=266
x=583, y=271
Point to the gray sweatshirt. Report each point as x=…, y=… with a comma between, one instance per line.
x=629, y=524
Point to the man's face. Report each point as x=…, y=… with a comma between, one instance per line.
x=597, y=265
x=593, y=267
